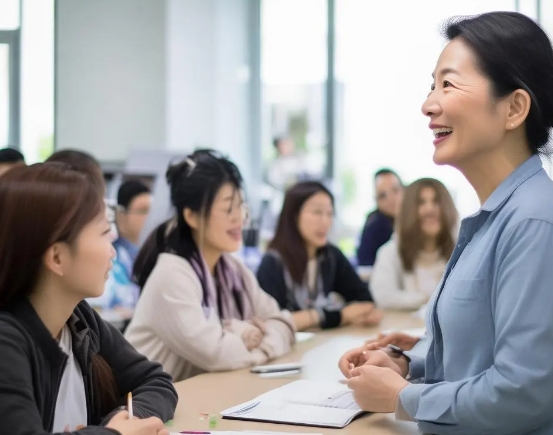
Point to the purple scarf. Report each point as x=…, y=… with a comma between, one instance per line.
x=230, y=283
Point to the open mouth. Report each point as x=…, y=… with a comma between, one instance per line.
x=235, y=234
x=442, y=132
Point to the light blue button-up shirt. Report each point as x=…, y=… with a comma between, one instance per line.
x=489, y=368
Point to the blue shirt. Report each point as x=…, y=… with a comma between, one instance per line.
x=489, y=367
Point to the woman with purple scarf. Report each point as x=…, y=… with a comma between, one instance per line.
x=201, y=309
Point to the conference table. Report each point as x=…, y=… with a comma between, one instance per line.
x=212, y=393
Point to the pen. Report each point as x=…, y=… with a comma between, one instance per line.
x=195, y=433
x=129, y=405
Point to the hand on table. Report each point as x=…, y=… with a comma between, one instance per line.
x=251, y=335
x=376, y=389
x=399, y=339
x=361, y=314
x=149, y=426
x=370, y=354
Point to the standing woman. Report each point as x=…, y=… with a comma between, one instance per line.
x=409, y=267
x=62, y=367
x=305, y=273
x=489, y=366
x=201, y=309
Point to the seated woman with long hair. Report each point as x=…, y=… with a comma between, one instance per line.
x=409, y=267
x=305, y=273
x=62, y=367
x=201, y=309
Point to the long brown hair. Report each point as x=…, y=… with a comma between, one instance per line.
x=288, y=241
x=41, y=205
x=408, y=225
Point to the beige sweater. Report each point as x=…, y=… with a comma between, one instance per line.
x=169, y=324
x=394, y=288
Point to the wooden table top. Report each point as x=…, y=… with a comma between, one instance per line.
x=213, y=392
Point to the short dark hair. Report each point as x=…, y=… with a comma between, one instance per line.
x=11, y=155
x=129, y=190
x=287, y=240
x=514, y=52
x=386, y=171
x=278, y=139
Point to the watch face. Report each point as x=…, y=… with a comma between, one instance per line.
x=395, y=348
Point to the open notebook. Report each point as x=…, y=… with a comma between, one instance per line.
x=303, y=402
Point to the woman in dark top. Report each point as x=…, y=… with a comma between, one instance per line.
x=380, y=223
x=63, y=369
x=306, y=274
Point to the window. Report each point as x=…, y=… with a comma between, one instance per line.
x=37, y=79
x=384, y=62
x=9, y=72
x=293, y=72
x=27, y=77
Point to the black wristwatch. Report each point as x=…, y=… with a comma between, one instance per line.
x=398, y=351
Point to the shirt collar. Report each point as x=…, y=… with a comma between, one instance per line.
x=498, y=197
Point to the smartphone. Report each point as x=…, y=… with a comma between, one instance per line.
x=273, y=368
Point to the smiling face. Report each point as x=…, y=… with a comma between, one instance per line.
x=467, y=121
x=315, y=220
x=429, y=213
x=222, y=230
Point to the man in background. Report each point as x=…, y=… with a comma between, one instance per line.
x=10, y=158
x=134, y=200
x=379, y=225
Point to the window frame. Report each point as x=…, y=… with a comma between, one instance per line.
x=12, y=38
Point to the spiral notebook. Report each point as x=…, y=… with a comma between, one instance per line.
x=304, y=403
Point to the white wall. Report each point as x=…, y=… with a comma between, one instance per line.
x=208, y=77
x=168, y=74
x=110, y=76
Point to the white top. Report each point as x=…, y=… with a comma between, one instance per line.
x=394, y=288
x=71, y=410
x=171, y=326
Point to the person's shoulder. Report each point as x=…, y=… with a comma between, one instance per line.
x=172, y=269
x=376, y=217
x=12, y=332
x=333, y=253
x=532, y=200
x=334, y=250
x=271, y=256
x=389, y=249
x=390, y=245
x=170, y=263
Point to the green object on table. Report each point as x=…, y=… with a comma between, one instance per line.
x=169, y=423
x=212, y=421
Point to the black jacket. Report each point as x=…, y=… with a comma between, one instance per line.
x=338, y=275
x=32, y=364
x=377, y=231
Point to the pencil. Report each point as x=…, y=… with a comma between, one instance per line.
x=129, y=405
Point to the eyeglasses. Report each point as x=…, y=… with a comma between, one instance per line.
x=235, y=209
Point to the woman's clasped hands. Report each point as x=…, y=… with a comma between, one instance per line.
x=375, y=376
